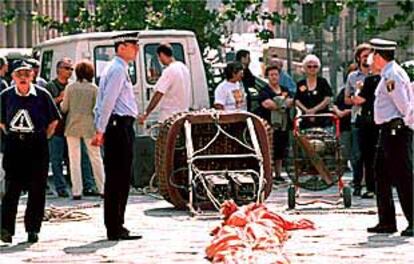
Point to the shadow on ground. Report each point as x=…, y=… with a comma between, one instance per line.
x=90, y=247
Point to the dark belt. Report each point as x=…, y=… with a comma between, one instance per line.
x=117, y=120
x=396, y=123
x=25, y=136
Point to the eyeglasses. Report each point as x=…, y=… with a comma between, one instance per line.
x=68, y=68
x=312, y=66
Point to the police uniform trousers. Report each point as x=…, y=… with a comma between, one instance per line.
x=25, y=161
x=394, y=167
x=118, y=154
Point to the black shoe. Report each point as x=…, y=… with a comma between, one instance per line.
x=408, y=232
x=382, y=229
x=63, y=194
x=6, y=237
x=278, y=180
x=368, y=195
x=129, y=237
x=124, y=231
x=90, y=192
x=357, y=191
x=76, y=197
x=32, y=237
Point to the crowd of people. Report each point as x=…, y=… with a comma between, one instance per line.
x=41, y=121
x=375, y=109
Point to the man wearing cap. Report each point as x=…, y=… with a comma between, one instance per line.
x=115, y=113
x=393, y=107
x=28, y=118
x=3, y=70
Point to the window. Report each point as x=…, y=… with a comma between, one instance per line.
x=103, y=55
x=46, y=70
x=153, y=67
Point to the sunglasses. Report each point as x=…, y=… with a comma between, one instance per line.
x=68, y=68
x=312, y=66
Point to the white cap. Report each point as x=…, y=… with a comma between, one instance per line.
x=383, y=44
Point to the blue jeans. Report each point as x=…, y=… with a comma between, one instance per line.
x=356, y=161
x=57, y=152
x=87, y=176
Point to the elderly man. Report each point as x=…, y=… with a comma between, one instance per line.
x=29, y=117
x=56, y=87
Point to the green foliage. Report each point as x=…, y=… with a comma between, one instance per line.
x=410, y=71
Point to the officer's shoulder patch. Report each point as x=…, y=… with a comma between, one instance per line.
x=390, y=85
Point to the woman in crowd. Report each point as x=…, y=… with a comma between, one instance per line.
x=229, y=94
x=78, y=102
x=313, y=93
x=275, y=101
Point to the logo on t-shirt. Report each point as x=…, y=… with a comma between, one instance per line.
x=22, y=122
x=238, y=97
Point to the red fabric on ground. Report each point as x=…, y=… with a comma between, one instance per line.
x=251, y=234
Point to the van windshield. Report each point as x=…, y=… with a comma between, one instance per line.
x=153, y=67
x=103, y=56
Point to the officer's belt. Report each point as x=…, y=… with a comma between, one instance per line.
x=116, y=120
x=396, y=123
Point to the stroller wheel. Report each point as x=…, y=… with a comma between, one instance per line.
x=347, y=196
x=291, y=197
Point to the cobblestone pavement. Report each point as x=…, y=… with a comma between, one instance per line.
x=171, y=236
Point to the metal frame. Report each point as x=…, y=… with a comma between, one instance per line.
x=192, y=156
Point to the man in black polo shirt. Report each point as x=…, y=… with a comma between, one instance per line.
x=28, y=117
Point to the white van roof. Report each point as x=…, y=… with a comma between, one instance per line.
x=106, y=35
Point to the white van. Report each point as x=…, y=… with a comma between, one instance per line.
x=145, y=71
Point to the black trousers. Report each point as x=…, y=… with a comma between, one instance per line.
x=118, y=154
x=394, y=167
x=25, y=163
x=368, y=138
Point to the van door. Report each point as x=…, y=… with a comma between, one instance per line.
x=151, y=69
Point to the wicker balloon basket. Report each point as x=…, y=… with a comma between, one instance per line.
x=206, y=157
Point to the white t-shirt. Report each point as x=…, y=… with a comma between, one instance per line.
x=175, y=84
x=230, y=95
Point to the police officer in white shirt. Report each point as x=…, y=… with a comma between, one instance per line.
x=173, y=89
x=394, y=99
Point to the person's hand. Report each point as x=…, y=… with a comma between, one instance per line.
x=98, y=139
x=142, y=118
x=310, y=111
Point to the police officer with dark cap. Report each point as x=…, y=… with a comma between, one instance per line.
x=115, y=113
x=28, y=118
x=393, y=112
